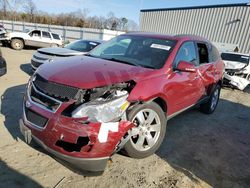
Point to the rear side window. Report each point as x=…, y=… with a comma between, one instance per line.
x=56, y=36
x=46, y=35
x=203, y=53
x=214, y=54
x=187, y=52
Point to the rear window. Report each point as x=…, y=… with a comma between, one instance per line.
x=56, y=36
x=235, y=57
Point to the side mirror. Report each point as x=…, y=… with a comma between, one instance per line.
x=185, y=66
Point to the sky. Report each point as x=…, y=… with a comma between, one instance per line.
x=121, y=8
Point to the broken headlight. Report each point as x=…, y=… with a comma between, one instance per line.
x=104, y=109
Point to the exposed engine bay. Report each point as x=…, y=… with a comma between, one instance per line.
x=102, y=104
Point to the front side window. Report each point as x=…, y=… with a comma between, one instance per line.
x=187, y=52
x=136, y=50
x=35, y=33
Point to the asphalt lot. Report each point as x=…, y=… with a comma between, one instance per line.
x=199, y=150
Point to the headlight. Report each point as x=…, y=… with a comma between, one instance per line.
x=104, y=110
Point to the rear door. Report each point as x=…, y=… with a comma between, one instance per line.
x=207, y=67
x=46, y=39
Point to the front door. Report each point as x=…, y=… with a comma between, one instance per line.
x=186, y=87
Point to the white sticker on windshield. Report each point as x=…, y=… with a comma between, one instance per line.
x=159, y=46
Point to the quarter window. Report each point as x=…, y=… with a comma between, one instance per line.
x=56, y=36
x=214, y=54
x=187, y=53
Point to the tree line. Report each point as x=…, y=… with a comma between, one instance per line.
x=26, y=11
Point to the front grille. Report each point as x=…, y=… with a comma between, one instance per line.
x=40, y=58
x=43, y=100
x=35, y=63
x=61, y=92
x=35, y=118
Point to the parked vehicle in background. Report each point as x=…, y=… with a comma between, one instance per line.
x=237, y=70
x=48, y=55
x=2, y=32
x=35, y=38
x=3, y=65
x=119, y=96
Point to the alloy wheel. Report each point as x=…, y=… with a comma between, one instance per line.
x=147, y=131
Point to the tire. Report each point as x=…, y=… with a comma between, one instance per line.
x=17, y=44
x=138, y=145
x=210, y=106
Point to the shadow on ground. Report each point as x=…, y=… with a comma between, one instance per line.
x=215, y=148
x=11, y=108
x=27, y=69
x=11, y=178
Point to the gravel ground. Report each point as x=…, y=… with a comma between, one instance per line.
x=198, y=151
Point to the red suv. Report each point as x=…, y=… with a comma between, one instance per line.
x=120, y=96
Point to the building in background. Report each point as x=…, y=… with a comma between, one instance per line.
x=228, y=25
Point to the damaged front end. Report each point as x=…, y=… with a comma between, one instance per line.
x=81, y=127
x=237, y=71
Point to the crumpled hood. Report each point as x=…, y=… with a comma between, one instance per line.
x=88, y=72
x=59, y=51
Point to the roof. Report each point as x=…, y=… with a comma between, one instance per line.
x=164, y=36
x=198, y=7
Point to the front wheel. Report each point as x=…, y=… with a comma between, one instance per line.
x=210, y=106
x=147, y=136
x=17, y=44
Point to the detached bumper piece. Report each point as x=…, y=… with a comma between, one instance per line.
x=87, y=166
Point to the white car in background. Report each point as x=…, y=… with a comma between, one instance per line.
x=237, y=69
x=35, y=38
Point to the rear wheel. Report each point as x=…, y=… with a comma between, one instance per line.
x=210, y=106
x=147, y=136
x=17, y=44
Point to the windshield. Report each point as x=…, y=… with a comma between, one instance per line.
x=235, y=57
x=82, y=45
x=136, y=50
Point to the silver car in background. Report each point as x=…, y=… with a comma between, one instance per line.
x=48, y=55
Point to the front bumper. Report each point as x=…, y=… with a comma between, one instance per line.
x=86, y=146
x=79, y=164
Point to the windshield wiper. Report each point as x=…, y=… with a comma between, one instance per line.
x=120, y=61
